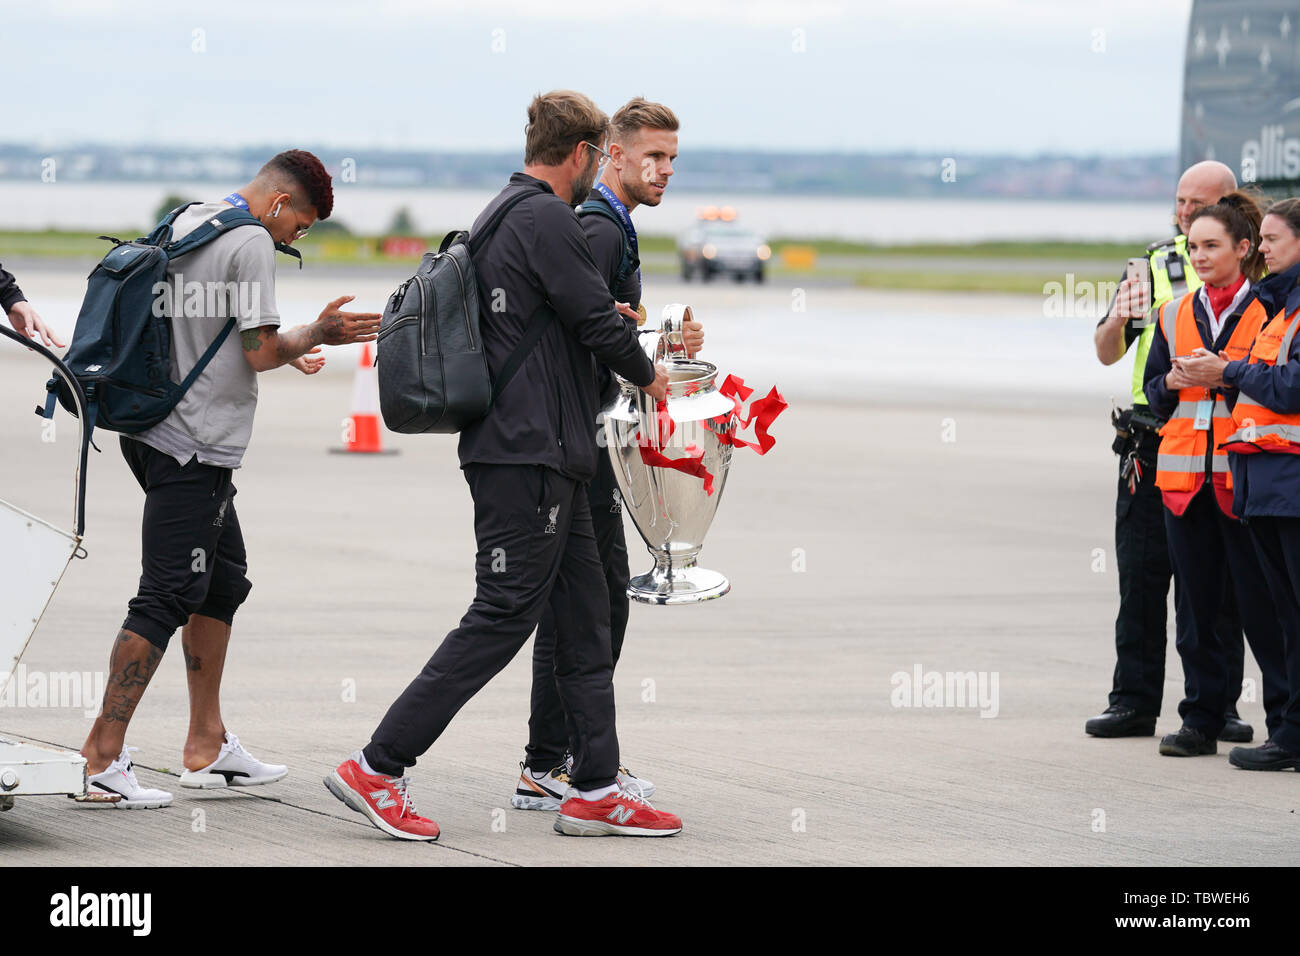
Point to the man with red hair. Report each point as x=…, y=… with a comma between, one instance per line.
x=193, y=562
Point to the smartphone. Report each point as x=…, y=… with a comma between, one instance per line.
x=1139, y=272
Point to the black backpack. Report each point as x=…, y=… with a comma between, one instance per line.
x=121, y=346
x=433, y=372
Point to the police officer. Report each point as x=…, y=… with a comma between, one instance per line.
x=1141, y=551
x=643, y=146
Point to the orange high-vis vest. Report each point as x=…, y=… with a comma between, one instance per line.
x=1259, y=428
x=1186, y=452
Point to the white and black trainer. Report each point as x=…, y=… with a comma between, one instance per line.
x=544, y=791
x=630, y=782
x=627, y=780
x=234, y=767
x=119, y=778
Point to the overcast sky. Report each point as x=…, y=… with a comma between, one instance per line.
x=936, y=76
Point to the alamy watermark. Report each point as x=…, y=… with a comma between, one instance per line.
x=948, y=689
x=24, y=688
x=196, y=299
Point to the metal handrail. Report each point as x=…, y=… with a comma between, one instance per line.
x=79, y=397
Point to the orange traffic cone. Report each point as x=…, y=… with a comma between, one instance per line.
x=361, y=432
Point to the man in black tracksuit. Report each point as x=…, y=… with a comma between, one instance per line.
x=527, y=463
x=643, y=145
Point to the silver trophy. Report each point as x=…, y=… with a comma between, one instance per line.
x=671, y=507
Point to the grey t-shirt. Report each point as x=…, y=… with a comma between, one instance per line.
x=233, y=275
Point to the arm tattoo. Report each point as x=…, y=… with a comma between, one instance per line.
x=251, y=339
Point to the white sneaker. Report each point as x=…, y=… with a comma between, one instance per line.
x=120, y=778
x=627, y=780
x=545, y=791
x=234, y=767
x=638, y=786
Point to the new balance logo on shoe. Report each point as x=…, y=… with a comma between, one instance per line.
x=620, y=814
x=383, y=799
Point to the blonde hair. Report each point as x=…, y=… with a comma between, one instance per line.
x=638, y=114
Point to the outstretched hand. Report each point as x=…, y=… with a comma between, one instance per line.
x=340, y=328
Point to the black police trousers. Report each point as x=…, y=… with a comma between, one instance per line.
x=1142, y=559
x=535, y=547
x=550, y=734
x=1213, y=554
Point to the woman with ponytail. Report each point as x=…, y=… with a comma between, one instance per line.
x=1209, y=548
x=1264, y=457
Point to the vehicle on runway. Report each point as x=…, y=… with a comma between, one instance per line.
x=718, y=245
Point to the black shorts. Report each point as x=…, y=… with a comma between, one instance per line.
x=192, y=552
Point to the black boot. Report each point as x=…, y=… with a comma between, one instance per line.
x=1117, y=721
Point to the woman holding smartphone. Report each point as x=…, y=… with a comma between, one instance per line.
x=1209, y=548
x=1264, y=456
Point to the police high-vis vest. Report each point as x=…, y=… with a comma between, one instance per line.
x=1189, y=441
x=1259, y=428
x=1172, y=276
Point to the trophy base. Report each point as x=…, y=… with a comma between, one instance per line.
x=670, y=585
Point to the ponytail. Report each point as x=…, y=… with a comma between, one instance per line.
x=1240, y=214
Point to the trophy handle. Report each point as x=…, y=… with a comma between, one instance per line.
x=670, y=344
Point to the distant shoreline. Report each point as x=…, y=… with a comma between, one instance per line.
x=990, y=266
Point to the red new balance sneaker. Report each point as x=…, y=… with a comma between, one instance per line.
x=620, y=814
x=383, y=799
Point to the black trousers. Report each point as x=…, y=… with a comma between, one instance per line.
x=1142, y=559
x=550, y=733
x=1211, y=552
x=1277, y=544
x=192, y=558
x=535, y=547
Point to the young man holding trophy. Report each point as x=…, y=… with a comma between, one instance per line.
x=643, y=146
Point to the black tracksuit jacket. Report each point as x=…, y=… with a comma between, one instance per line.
x=546, y=415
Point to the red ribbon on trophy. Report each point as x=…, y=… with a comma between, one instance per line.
x=762, y=413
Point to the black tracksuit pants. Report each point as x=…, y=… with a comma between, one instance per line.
x=550, y=734
x=1211, y=552
x=1277, y=544
x=1142, y=559
x=535, y=547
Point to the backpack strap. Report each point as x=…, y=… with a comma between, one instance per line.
x=207, y=356
x=537, y=324
x=218, y=225
x=598, y=207
x=162, y=233
x=209, y=229
x=540, y=318
x=476, y=241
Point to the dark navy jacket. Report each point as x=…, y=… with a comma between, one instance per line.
x=1268, y=483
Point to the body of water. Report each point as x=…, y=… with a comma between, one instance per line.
x=129, y=207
